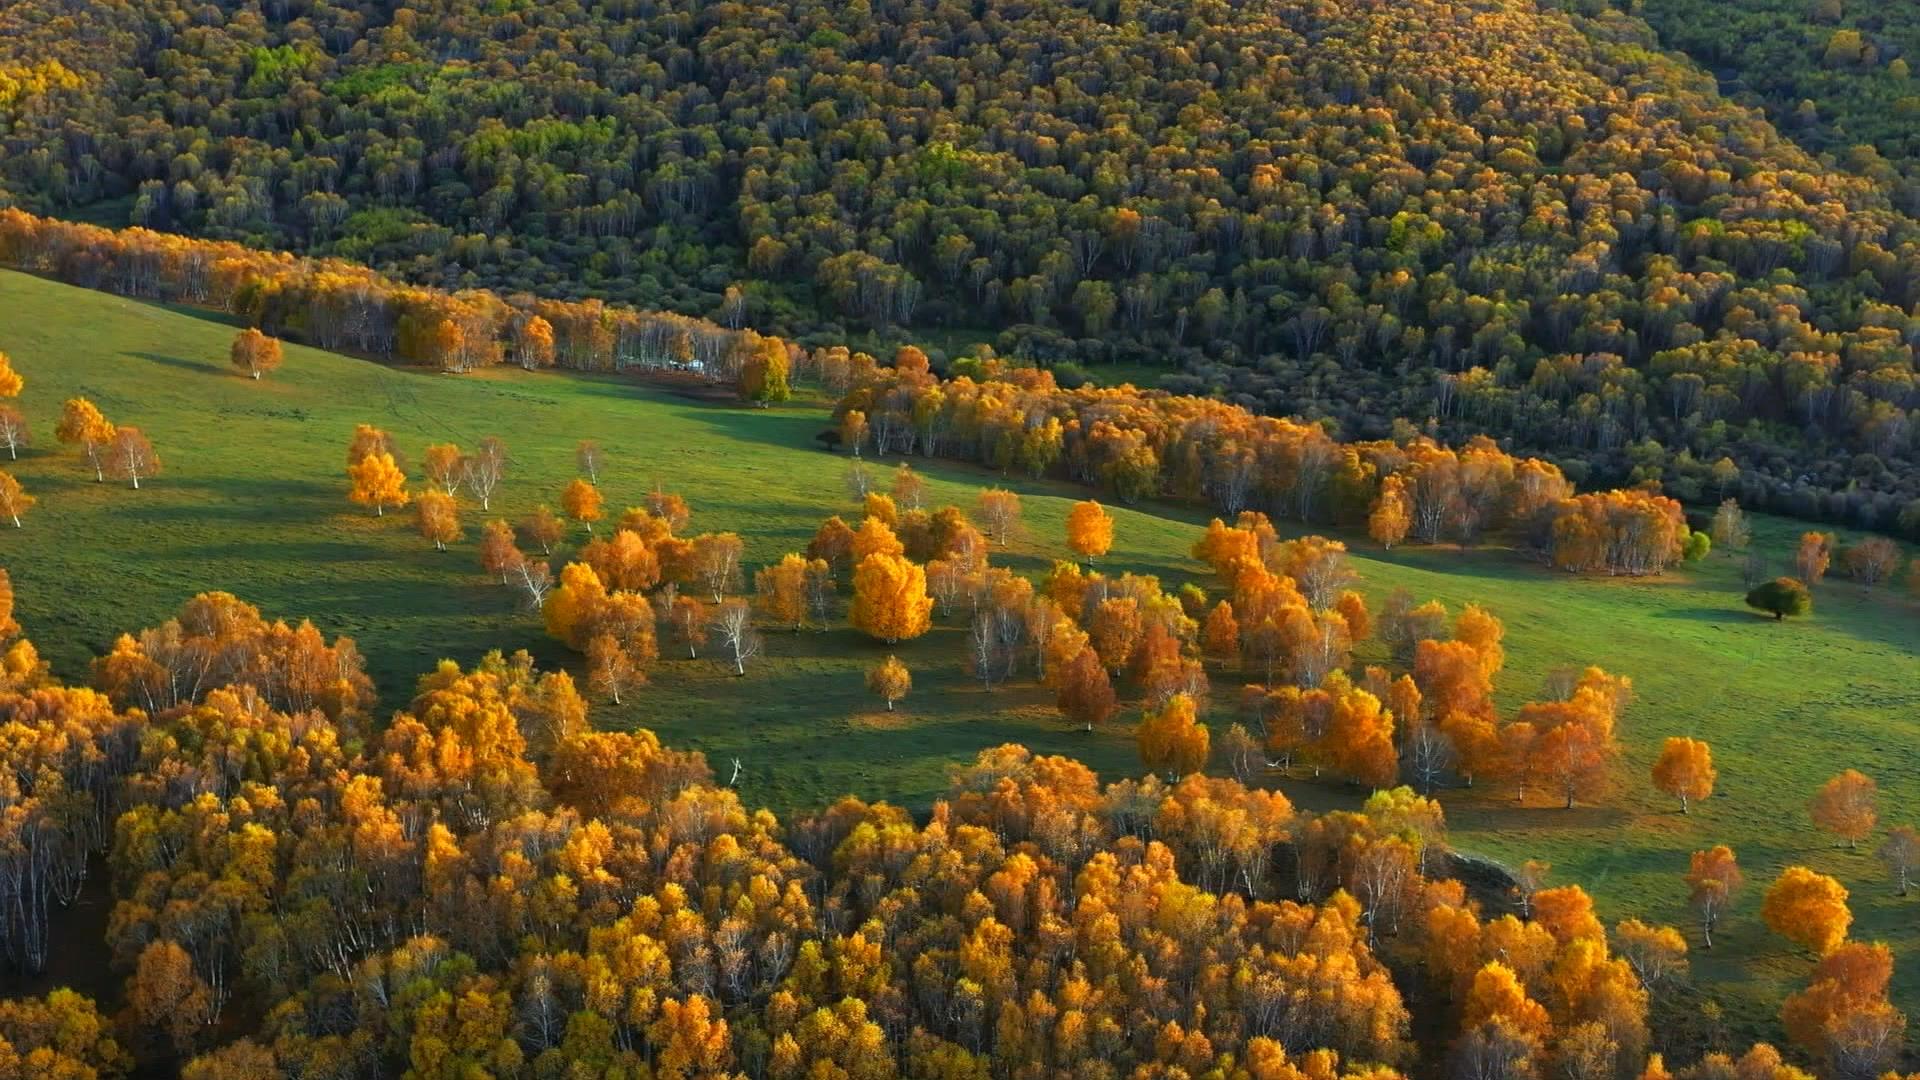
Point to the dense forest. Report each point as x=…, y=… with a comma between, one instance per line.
x=1835, y=75
x=1504, y=218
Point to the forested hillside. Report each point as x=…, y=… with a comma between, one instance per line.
x=1501, y=217
x=1836, y=75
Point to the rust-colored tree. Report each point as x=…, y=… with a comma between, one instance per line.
x=1846, y=807
x=133, y=457
x=1082, y=690
x=499, y=554
x=1713, y=885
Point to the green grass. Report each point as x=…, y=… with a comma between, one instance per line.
x=253, y=501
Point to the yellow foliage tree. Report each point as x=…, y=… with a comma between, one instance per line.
x=437, y=518
x=890, y=680
x=890, y=600
x=1685, y=770
x=1807, y=908
x=581, y=502
x=1171, y=740
x=378, y=482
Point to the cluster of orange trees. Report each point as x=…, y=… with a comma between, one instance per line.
x=1146, y=444
x=122, y=450
x=488, y=885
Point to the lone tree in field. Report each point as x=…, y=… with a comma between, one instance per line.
x=255, y=353
x=13, y=431
x=1808, y=909
x=890, y=600
x=437, y=518
x=581, y=501
x=1844, y=806
x=1089, y=530
x=14, y=499
x=133, y=456
x=1713, y=884
x=377, y=482
x=1900, y=851
x=1781, y=597
x=1170, y=739
x=1685, y=770
x=10, y=381
x=587, y=456
x=82, y=425
x=1000, y=511
x=890, y=681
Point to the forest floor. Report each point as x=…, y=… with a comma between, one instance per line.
x=253, y=501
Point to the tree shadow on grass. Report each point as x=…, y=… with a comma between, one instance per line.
x=198, y=366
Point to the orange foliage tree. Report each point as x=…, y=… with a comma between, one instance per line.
x=377, y=482
x=1089, y=530
x=1808, y=909
x=580, y=500
x=1713, y=884
x=1171, y=740
x=1845, y=807
x=14, y=499
x=437, y=518
x=255, y=353
x=1685, y=770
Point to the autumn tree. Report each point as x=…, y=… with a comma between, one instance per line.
x=133, y=456
x=544, y=528
x=377, y=482
x=1730, y=529
x=731, y=622
x=255, y=353
x=580, y=500
x=1900, y=853
x=499, y=554
x=14, y=432
x=588, y=457
x=763, y=376
x=1808, y=909
x=890, y=681
x=781, y=590
x=1871, y=561
x=482, y=470
x=1089, y=530
x=441, y=463
x=437, y=518
x=1781, y=597
x=890, y=601
x=1684, y=770
x=1811, y=558
x=14, y=499
x=1170, y=738
x=1390, y=520
x=82, y=425
x=611, y=669
x=1713, y=884
x=1082, y=690
x=533, y=343
x=11, y=383
x=715, y=563
x=1845, y=807
x=1000, y=511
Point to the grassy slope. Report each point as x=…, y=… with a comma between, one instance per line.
x=253, y=502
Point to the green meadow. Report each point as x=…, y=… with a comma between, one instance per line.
x=253, y=501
